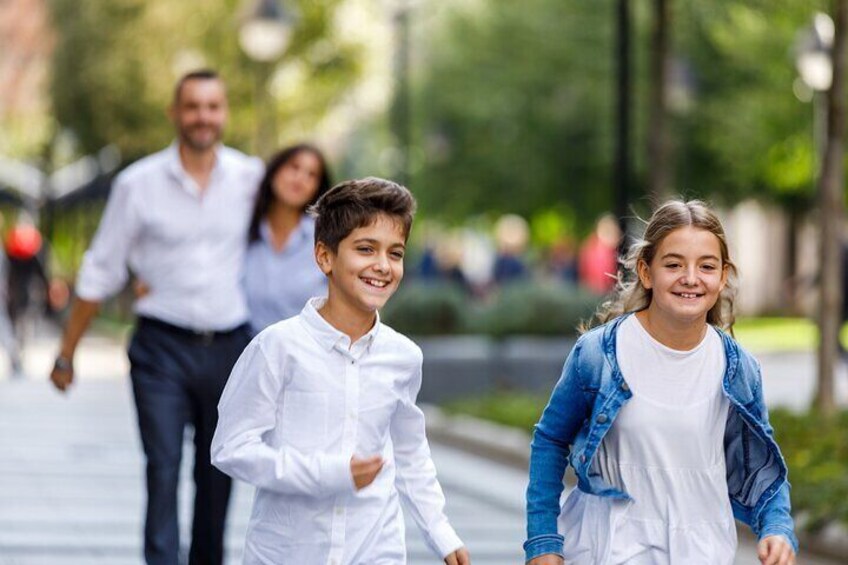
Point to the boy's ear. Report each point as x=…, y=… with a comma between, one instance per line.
x=324, y=258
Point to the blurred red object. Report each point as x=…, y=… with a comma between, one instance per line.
x=23, y=242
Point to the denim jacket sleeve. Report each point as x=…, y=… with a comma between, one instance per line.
x=775, y=517
x=563, y=417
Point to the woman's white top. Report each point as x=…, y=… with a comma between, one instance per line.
x=666, y=450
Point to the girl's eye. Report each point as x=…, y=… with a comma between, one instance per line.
x=708, y=267
x=364, y=249
x=397, y=254
x=672, y=265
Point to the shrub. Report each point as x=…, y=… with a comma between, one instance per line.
x=427, y=308
x=536, y=309
x=816, y=451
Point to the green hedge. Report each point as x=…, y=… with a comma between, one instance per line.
x=816, y=451
x=536, y=309
x=422, y=308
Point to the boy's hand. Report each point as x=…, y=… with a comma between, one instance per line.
x=458, y=557
x=547, y=559
x=365, y=470
x=775, y=550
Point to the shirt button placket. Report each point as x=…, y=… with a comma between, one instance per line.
x=349, y=433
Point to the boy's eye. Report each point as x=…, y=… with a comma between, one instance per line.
x=364, y=249
x=672, y=265
x=397, y=254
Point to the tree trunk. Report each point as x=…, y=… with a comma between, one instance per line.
x=659, y=147
x=830, y=190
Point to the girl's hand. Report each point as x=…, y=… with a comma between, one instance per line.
x=547, y=559
x=458, y=557
x=775, y=550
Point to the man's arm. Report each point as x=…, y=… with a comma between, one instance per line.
x=82, y=312
x=103, y=273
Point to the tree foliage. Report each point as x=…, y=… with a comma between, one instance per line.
x=515, y=117
x=513, y=109
x=116, y=63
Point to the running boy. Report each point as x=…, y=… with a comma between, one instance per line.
x=319, y=412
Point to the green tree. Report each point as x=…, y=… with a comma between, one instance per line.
x=116, y=62
x=513, y=109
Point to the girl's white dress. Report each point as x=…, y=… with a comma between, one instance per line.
x=666, y=450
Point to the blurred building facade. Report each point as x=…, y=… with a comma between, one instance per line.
x=758, y=235
x=26, y=43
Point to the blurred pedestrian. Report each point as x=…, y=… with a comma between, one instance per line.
x=562, y=261
x=511, y=237
x=280, y=269
x=8, y=339
x=28, y=281
x=662, y=415
x=178, y=219
x=598, y=259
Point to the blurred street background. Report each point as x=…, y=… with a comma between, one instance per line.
x=534, y=135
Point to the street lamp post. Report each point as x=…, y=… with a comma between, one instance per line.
x=815, y=71
x=400, y=116
x=264, y=34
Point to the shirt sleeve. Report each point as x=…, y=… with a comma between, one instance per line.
x=246, y=411
x=416, y=474
x=104, y=266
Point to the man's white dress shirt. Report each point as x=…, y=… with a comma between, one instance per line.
x=299, y=403
x=187, y=245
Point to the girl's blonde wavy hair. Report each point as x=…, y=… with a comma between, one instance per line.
x=631, y=296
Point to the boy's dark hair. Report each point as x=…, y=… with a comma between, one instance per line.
x=354, y=204
x=199, y=74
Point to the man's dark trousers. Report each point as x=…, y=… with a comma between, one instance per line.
x=178, y=377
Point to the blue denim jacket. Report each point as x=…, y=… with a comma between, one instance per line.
x=585, y=403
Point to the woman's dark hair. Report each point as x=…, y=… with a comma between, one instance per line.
x=265, y=197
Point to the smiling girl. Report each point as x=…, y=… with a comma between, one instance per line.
x=661, y=414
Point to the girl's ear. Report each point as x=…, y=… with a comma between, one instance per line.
x=644, y=274
x=324, y=257
x=725, y=271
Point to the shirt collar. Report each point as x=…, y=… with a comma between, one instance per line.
x=328, y=336
x=300, y=232
x=175, y=164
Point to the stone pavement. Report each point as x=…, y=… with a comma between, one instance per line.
x=71, y=473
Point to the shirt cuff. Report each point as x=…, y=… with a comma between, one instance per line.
x=445, y=539
x=543, y=545
x=336, y=476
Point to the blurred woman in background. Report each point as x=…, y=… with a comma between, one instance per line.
x=280, y=272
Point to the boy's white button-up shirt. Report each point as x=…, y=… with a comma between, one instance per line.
x=299, y=403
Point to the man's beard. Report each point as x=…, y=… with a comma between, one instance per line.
x=199, y=143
